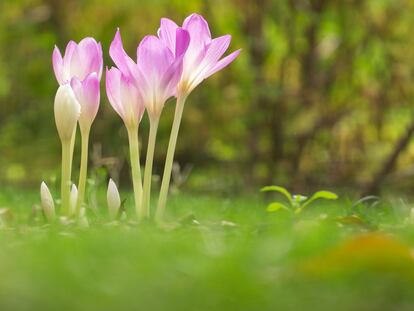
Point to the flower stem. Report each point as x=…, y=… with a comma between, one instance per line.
x=65, y=178
x=148, y=166
x=136, y=169
x=72, y=147
x=83, y=169
x=162, y=201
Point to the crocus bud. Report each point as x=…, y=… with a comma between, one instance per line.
x=67, y=112
x=114, y=201
x=48, y=205
x=73, y=199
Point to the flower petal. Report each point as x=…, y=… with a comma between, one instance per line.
x=70, y=47
x=182, y=39
x=223, y=63
x=121, y=59
x=67, y=59
x=88, y=94
x=131, y=100
x=154, y=58
x=57, y=62
x=167, y=33
x=171, y=78
x=200, y=38
x=216, y=49
x=113, y=80
x=86, y=58
x=198, y=28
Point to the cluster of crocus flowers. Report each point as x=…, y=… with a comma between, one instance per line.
x=77, y=99
x=170, y=64
x=147, y=84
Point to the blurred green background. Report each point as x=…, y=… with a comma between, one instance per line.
x=321, y=95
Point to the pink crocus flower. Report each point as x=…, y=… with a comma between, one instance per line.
x=202, y=59
x=204, y=54
x=157, y=70
x=79, y=60
x=81, y=66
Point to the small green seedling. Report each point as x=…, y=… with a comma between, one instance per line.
x=296, y=202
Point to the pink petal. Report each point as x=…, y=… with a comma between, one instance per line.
x=67, y=59
x=223, y=63
x=113, y=81
x=131, y=101
x=57, y=62
x=154, y=58
x=193, y=59
x=216, y=49
x=182, y=39
x=198, y=28
x=171, y=78
x=120, y=57
x=92, y=51
x=167, y=33
x=90, y=97
x=76, y=85
x=86, y=58
x=70, y=47
x=200, y=36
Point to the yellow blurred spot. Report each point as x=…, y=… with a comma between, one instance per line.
x=371, y=252
x=15, y=172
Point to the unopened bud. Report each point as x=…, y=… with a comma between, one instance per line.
x=67, y=112
x=48, y=205
x=113, y=199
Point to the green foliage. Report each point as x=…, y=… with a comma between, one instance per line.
x=296, y=202
x=225, y=253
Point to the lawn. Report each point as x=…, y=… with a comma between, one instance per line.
x=215, y=254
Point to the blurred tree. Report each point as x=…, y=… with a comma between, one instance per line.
x=320, y=96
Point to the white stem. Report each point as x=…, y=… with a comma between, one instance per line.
x=136, y=169
x=148, y=166
x=162, y=201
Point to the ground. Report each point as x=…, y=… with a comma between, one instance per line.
x=215, y=254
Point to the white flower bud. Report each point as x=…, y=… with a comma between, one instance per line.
x=67, y=112
x=48, y=205
x=113, y=199
x=73, y=199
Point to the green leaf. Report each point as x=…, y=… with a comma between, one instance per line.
x=327, y=195
x=276, y=206
x=298, y=198
x=280, y=190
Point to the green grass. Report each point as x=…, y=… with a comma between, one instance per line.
x=218, y=254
